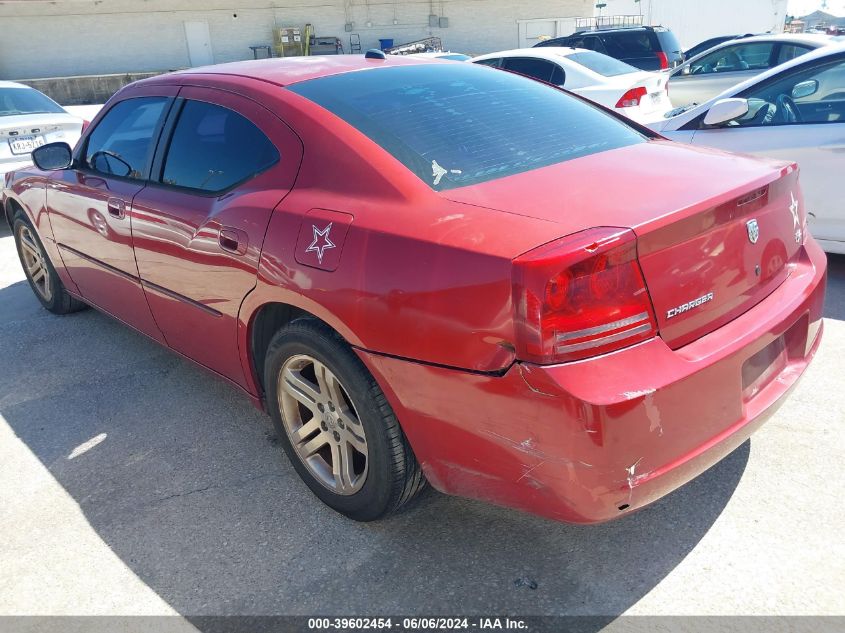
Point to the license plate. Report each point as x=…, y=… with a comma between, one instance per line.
x=25, y=144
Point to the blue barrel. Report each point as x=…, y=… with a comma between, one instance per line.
x=386, y=43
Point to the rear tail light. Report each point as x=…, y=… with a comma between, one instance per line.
x=85, y=124
x=581, y=296
x=632, y=98
x=663, y=58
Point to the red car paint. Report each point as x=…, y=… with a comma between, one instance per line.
x=421, y=284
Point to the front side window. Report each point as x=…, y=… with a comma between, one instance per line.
x=214, y=149
x=814, y=94
x=737, y=58
x=461, y=125
x=122, y=142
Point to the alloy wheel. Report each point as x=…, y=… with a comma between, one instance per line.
x=322, y=424
x=35, y=263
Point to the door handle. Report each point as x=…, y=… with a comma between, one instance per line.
x=117, y=208
x=233, y=240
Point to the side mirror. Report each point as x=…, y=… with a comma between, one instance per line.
x=52, y=156
x=725, y=110
x=805, y=89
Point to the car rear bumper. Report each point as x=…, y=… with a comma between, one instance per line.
x=592, y=440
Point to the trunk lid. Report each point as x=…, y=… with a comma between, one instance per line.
x=703, y=263
x=21, y=133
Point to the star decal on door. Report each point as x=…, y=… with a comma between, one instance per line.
x=321, y=242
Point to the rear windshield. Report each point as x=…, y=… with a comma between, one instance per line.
x=668, y=41
x=458, y=125
x=630, y=43
x=602, y=64
x=25, y=101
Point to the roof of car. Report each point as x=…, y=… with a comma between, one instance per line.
x=291, y=70
x=545, y=52
x=620, y=29
x=789, y=38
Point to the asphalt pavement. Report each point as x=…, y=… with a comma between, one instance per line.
x=134, y=482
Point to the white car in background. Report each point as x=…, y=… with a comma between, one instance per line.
x=794, y=112
x=715, y=70
x=638, y=94
x=30, y=119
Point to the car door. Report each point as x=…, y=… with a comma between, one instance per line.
x=815, y=139
x=699, y=80
x=90, y=205
x=225, y=162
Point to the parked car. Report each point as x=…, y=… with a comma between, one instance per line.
x=637, y=94
x=794, y=112
x=645, y=47
x=455, y=57
x=706, y=75
x=706, y=45
x=30, y=119
x=430, y=271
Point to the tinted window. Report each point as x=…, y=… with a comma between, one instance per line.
x=668, y=41
x=214, y=148
x=463, y=125
x=25, y=101
x=790, y=51
x=739, y=57
x=537, y=68
x=558, y=76
x=629, y=43
x=122, y=142
x=595, y=44
x=602, y=64
x=495, y=63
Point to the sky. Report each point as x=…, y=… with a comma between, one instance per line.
x=803, y=7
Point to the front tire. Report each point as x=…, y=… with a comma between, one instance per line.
x=40, y=273
x=335, y=424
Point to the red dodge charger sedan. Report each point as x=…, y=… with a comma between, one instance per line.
x=429, y=271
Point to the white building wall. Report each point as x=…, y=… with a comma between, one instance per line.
x=694, y=21
x=79, y=37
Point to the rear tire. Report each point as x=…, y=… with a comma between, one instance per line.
x=40, y=273
x=336, y=425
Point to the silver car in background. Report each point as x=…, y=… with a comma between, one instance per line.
x=30, y=119
x=712, y=72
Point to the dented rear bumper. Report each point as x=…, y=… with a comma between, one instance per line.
x=588, y=441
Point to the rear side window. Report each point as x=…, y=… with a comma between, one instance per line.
x=531, y=67
x=602, y=64
x=790, y=51
x=214, y=148
x=122, y=142
x=464, y=125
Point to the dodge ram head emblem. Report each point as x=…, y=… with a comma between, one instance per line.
x=753, y=231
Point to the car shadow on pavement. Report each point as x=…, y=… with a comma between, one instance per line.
x=190, y=489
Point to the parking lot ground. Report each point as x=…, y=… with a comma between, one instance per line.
x=134, y=482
